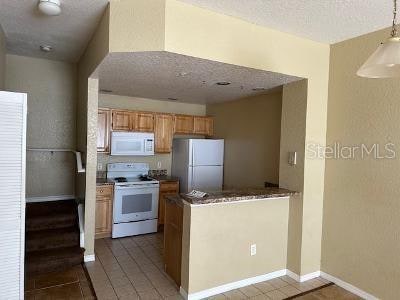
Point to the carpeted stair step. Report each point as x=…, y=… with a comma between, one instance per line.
x=51, y=215
x=53, y=260
x=52, y=238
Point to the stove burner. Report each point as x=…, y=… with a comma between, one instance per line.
x=145, y=178
x=120, y=179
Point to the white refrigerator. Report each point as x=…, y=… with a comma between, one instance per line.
x=198, y=163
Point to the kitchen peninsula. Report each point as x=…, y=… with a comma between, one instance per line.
x=226, y=237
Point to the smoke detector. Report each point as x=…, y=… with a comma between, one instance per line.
x=50, y=7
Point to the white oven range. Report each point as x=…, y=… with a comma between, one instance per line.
x=135, y=205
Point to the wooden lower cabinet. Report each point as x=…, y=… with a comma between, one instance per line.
x=104, y=210
x=166, y=188
x=173, y=240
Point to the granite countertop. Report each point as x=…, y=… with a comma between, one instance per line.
x=232, y=196
x=103, y=181
x=165, y=178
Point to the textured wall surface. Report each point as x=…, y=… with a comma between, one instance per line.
x=361, y=241
x=251, y=128
x=123, y=102
x=52, y=93
x=293, y=132
x=87, y=124
x=220, y=247
x=2, y=58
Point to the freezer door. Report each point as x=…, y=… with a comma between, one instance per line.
x=207, y=152
x=206, y=178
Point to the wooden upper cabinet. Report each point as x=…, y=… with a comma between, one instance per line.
x=184, y=124
x=144, y=122
x=123, y=120
x=163, y=132
x=103, y=130
x=204, y=125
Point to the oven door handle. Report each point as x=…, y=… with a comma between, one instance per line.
x=129, y=186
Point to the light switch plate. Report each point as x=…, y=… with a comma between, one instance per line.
x=253, y=249
x=292, y=158
x=99, y=167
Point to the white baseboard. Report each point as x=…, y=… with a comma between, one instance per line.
x=49, y=198
x=349, y=287
x=231, y=286
x=88, y=258
x=302, y=278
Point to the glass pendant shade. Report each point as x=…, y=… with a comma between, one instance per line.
x=384, y=62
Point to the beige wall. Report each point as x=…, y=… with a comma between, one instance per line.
x=193, y=31
x=197, y=32
x=123, y=102
x=219, y=250
x=251, y=128
x=2, y=58
x=87, y=107
x=52, y=95
x=294, y=109
x=361, y=243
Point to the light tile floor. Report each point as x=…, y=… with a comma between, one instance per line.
x=132, y=268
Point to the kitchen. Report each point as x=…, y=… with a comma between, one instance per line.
x=165, y=130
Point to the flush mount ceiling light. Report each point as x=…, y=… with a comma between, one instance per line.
x=385, y=61
x=46, y=48
x=50, y=7
x=223, y=83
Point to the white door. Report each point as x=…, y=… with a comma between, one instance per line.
x=207, y=178
x=208, y=152
x=12, y=194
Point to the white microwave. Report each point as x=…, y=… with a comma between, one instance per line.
x=132, y=143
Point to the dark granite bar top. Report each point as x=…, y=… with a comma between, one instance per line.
x=103, y=181
x=233, y=196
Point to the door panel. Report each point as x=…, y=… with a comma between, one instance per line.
x=208, y=152
x=207, y=178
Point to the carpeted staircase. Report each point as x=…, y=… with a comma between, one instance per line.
x=52, y=237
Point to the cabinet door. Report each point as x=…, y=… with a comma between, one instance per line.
x=204, y=125
x=103, y=131
x=166, y=188
x=122, y=120
x=102, y=213
x=184, y=124
x=163, y=133
x=104, y=196
x=144, y=122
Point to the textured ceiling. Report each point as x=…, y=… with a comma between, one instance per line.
x=26, y=28
x=163, y=75
x=327, y=21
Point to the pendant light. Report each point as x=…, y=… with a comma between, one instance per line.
x=385, y=61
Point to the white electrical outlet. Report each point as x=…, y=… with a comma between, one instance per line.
x=99, y=167
x=159, y=165
x=253, y=249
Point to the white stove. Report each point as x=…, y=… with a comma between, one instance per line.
x=135, y=208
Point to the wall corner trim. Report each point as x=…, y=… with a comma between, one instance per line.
x=231, y=286
x=349, y=287
x=89, y=258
